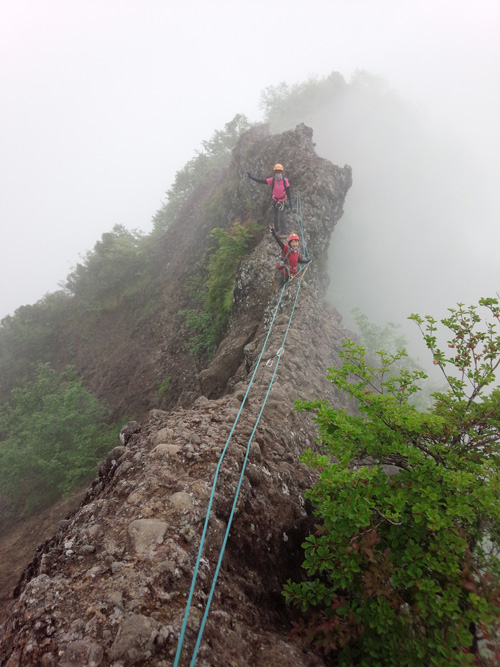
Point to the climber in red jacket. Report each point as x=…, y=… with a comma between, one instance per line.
x=290, y=257
x=280, y=192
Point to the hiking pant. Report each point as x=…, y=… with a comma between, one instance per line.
x=279, y=280
x=282, y=277
x=279, y=217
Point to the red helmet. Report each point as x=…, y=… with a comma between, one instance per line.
x=293, y=237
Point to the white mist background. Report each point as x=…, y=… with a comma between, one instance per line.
x=102, y=102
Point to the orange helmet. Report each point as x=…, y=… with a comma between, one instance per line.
x=278, y=167
x=293, y=237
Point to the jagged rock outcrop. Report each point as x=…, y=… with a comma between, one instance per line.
x=110, y=587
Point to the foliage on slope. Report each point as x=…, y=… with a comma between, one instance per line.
x=212, y=288
x=53, y=432
x=113, y=282
x=116, y=272
x=404, y=567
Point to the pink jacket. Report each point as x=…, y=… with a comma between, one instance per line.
x=279, y=190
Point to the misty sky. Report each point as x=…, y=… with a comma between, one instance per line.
x=102, y=101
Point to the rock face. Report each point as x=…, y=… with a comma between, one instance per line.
x=110, y=588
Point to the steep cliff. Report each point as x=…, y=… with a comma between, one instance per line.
x=110, y=588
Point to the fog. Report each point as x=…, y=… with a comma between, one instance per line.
x=102, y=102
x=420, y=231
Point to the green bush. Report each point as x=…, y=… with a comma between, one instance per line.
x=29, y=337
x=404, y=566
x=215, y=292
x=53, y=432
x=216, y=153
x=390, y=339
x=114, y=268
x=163, y=387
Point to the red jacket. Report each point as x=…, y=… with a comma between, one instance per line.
x=290, y=259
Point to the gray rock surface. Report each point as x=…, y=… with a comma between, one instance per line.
x=110, y=588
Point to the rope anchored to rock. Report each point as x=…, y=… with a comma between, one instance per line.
x=202, y=541
x=278, y=354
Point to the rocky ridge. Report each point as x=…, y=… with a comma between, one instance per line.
x=110, y=588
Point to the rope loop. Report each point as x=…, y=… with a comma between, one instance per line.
x=278, y=354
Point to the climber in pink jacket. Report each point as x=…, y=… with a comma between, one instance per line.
x=280, y=193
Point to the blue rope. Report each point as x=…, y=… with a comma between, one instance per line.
x=216, y=574
x=298, y=217
x=200, y=550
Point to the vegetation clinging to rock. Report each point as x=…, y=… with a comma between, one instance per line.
x=404, y=567
x=216, y=153
x=214, y=293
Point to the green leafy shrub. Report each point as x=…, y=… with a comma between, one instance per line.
x=164, y=387
x=53, y=432
x=215, y=292
x=204, y=328
x=116, y=266
x=29, y=337
x=404, y=566
x=216, y=153
x=390, y=339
